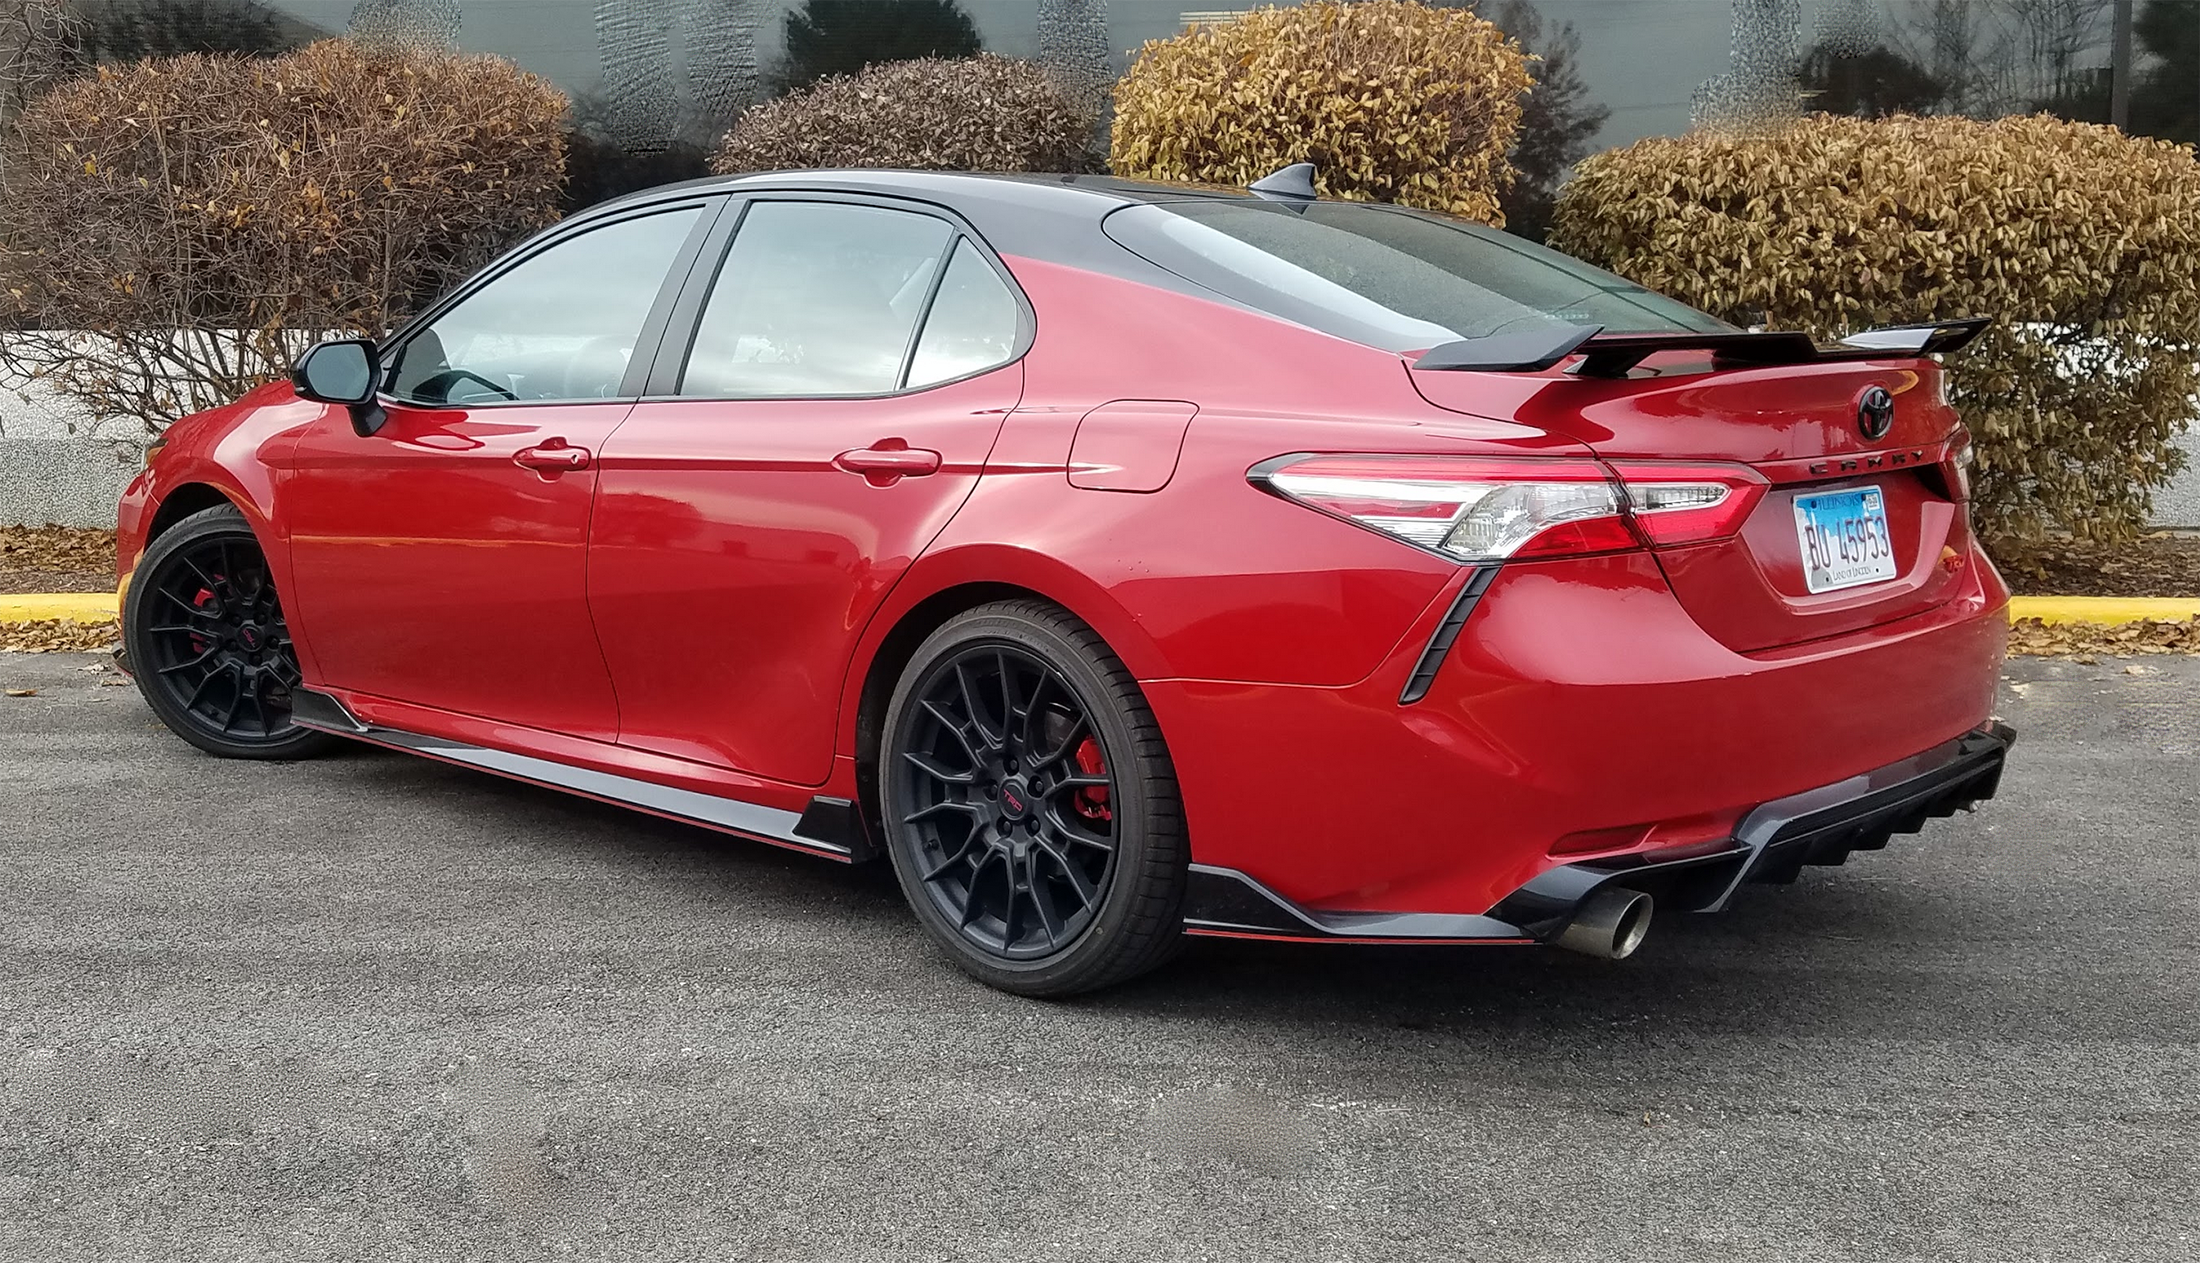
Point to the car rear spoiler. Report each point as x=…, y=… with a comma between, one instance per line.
x=1615, y=354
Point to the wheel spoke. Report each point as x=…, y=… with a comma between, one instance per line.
x=1087, y=893
x=209, y=582
x=1054, y=824
x=948, y=865
x=236, y=695
x=1081, y=780
x=947, y=721
x=211, y=651
x=977, y=712
x=199, y=690
x=938, y=773
x=1033, y=711
x=946, y=804
x=188, y=608
x=972, y=907
x=1079, y=728
x=1042, y=900
x=1008, y=694
x=1011, y=927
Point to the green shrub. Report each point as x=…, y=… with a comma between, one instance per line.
x=2082, y=243
x=981, y=113
x=172, y=233
x=1391, y=101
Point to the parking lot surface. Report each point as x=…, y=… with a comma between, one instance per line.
x=374, y=1007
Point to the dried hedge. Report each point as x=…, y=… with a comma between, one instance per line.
x=2081, y=242
x=982, y=113
x=173, y=232
x=1392, y=101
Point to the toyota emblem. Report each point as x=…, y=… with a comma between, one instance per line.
x=1875, y=412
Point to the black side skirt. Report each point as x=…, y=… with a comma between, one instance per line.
x=829, y=827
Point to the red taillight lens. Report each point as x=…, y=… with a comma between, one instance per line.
x=1469, y=508
x=1484, y=509
x=1676, y=504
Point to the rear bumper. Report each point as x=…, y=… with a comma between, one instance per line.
x=1579, y=715
x=1772, y=844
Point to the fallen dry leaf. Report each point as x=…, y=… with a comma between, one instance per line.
x=22, y=692
x=2083, y=641
x=56, y=559
x=54, y=635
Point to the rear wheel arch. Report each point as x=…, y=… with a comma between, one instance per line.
x=892, y=657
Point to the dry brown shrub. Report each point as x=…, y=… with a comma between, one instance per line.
x=983, y=113
x=173, y=232
x=2082, y=243
x=1391, y=101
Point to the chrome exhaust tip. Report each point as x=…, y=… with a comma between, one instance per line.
x=1610, y=923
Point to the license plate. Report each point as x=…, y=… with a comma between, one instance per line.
x=1844, y=538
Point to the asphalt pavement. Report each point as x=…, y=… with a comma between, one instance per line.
x=373, y=1007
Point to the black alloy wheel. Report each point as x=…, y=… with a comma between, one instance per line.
x=1030, y=808
x=208, y=643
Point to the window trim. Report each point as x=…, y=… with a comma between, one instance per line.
x=648, y=342
x=670, y=363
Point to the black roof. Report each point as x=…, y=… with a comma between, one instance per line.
x=1095, y=194
x=1050, y=217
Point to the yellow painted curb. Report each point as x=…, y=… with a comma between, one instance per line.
x=74, y=607
x=2109, y=610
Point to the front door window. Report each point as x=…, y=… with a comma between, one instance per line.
x=559, y=327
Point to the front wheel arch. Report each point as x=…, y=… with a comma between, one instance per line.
x=185, y=500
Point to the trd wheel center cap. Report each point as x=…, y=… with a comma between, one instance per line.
x=249, y=638
x=1015, y=799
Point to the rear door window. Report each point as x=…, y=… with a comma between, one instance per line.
x=817, y=299
x=972, y=325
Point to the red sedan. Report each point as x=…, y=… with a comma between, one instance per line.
x=1118, y=561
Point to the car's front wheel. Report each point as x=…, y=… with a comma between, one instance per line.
x=1029, y=804
x=205, y=635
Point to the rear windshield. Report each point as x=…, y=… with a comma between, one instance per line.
x=1388, y=277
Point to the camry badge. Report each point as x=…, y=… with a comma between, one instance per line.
x=1875, y=412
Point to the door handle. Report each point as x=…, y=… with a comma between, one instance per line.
x=882, y=464
x=551, y=456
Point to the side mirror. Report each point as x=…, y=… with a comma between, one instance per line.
x=343, y=372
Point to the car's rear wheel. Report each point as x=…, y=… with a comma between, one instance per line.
x=1029, y=804
x=207, y=640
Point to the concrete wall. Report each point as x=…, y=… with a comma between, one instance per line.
x=56, y=467
x=2178, y=504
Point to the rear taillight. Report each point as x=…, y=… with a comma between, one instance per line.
x=1677, y=504
x=1483, y=509
x=1961, y=456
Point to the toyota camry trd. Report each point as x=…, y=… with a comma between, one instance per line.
x=1118, y=562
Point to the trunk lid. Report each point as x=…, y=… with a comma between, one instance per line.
x=1798, y=426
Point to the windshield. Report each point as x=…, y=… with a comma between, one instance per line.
x=1388, y=277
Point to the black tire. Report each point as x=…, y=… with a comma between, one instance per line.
x=984, y=785
x=205, y=636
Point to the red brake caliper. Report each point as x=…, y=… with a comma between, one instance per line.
x=201, y=601
x=1092, y=802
